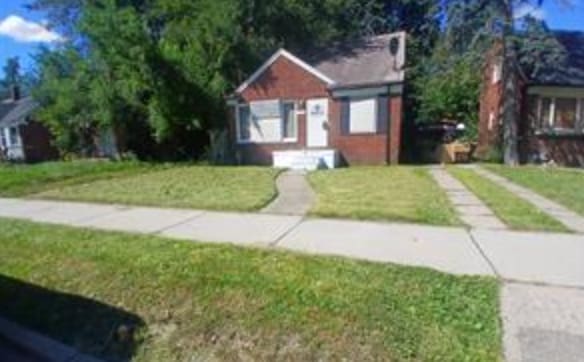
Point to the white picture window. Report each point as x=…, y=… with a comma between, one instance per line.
x=266, y=130
x=560, y=113
x=13, y=137
x=363, y=115
x=264, y=127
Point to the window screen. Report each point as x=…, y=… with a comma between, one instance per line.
x=244, y=118
x=565, y=113
x=13, y=134
x=289, y=121
x=363, y=115
x=546, y=109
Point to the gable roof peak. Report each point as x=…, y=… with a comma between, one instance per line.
x=286, y=54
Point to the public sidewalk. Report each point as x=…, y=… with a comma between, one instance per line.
x=518, y=256
x=537, y=314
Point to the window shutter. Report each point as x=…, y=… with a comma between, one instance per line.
x=345, y=116
x=382, y=114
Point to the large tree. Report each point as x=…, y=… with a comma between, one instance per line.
x=507, y=25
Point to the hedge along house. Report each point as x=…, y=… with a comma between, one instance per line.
x=551, y=127
x=339, y=105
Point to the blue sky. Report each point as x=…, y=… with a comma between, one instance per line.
x=21, y=31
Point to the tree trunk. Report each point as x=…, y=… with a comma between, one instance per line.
x=511, y=95
x=510, y=111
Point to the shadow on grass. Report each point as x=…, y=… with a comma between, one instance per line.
x=87, y=325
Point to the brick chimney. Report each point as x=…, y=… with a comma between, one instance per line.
x=15, y=93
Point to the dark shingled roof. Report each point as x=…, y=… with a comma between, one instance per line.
x=571, y=73
x=13, y=113
x=360, y=61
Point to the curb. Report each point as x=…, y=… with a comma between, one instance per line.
x=41, y=346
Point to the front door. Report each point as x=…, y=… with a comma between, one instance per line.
x=317, y=122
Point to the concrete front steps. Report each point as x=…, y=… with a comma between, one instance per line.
x=309, y=160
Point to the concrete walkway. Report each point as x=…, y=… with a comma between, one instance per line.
x=570, y=219
x=295, y=196
x=471, y=210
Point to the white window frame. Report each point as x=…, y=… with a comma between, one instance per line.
x=17, y=140
x=375, y=115
x=3, y=138
x=282, y=138
x=550, y=122
x=238, y=124
x=294, y=119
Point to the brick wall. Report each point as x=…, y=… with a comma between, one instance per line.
x=285, y=80
x=36, y=140
x=358, y=148
x=490, y=106
x=563, y=150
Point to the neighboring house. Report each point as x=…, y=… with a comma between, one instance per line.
x=551, y=128
x=339, y=105
x=22, y=138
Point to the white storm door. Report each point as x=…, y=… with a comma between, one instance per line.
x=316, y=122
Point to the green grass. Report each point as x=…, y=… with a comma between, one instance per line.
x=199, y=187
x=212, y=302
x=382, y=193
x=566, y=186
x=515, y=212
x=21, y=180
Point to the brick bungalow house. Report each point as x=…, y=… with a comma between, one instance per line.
x=551, y=127
x=325, y=108
x=21, y=137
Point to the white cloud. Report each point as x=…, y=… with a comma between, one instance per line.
x=524, y=10
x=26, y=31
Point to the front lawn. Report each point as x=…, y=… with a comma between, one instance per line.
x=199, y=187
x=382, y=193
x=192, y=301
x=21, y=180
x=515, y=212
x=563, y=185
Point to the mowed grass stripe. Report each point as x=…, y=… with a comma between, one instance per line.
x=565, y=186
x=216, y=302
x=196, y=187
x=23, y=180
x=517, y=213
x=396, y=193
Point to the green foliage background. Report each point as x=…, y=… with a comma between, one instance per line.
x=157, y=71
